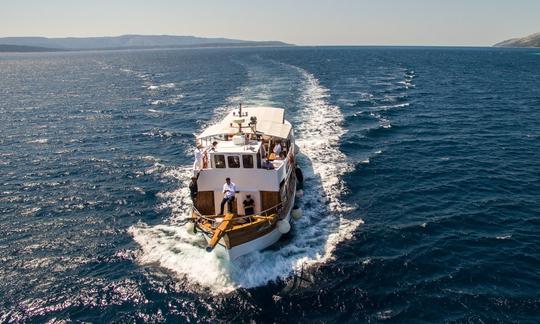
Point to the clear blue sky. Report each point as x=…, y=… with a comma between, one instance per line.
x=324, y=22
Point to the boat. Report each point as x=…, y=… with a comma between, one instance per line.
x=255, y=148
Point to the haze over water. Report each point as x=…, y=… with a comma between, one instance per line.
x=421, y=200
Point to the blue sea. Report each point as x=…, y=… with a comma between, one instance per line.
x=421, y=201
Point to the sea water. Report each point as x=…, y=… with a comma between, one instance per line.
x=421, y=202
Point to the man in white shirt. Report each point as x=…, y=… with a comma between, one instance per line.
x=229, y=189
x=277, y=149
x=198, y=163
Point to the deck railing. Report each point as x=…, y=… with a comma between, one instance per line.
x=212, y=218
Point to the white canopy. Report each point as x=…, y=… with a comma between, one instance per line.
x=270, y=121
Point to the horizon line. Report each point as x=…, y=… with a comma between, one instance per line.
x=253, y=40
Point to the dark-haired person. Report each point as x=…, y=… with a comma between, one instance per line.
x=267, y=165
x=193, y=189
x=213, y=147
x=229, y=190
x=249, y=205
x=277, y=149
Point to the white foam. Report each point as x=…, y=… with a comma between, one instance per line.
x=161, y=86
x=30, y=211
x=156, y=167
x=315, y=235
x=155, y=111
x=386, y=107
x=149, y=158
x=39, y=141
x=385, y=315
x=167, y=101
x=139, y=190
x=158, y=133
x=407, y=83
x=168, y=85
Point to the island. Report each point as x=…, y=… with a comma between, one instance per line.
x=45, y=44
x=532, y=40
x=22, y=48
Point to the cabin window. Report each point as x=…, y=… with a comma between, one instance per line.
x=234, y=161
x=219, y=161
x=247, y=160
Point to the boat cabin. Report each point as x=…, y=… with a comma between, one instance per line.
x=245, y=153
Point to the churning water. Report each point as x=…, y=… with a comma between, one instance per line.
x=421, y=198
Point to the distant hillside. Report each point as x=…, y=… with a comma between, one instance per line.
x=129, y=41
x=527, y=41
x=20, y=48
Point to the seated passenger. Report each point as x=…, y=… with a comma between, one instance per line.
x=267, y=165
x=219, y=160
x=234, y=161
x=249, y=205
x=277, y=149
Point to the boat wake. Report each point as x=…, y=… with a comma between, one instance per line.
x=314, y=237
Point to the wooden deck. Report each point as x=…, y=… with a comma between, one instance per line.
x=236, y=230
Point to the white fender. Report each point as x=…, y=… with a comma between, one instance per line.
x=283, y=226
x=190, y=228
x=297, y=213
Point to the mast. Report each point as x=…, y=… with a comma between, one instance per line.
x=240, y=124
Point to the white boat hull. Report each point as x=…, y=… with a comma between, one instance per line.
x=257, y=244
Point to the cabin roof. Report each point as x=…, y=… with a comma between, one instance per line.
x=229, y=147
x=270, y=121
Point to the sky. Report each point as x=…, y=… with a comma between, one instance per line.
x=301, y=22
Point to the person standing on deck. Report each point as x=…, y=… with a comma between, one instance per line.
x=198, y=163
x=229, y=190
x=263, y=151
x=277, y=149
x=212, y=147
x=249, y=206
x=193, y=189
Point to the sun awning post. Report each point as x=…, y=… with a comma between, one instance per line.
x=269, y=148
